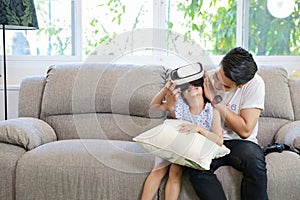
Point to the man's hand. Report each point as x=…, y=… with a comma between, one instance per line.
x=209, y=89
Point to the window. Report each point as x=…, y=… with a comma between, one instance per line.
x=197, y=21
x=54, y=36
x=212, y=24
x=71, y=31
x=103, y=20
x=270, y=31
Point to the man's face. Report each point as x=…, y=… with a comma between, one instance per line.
x=221, y=82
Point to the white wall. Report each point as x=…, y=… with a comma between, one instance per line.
x=12, y=102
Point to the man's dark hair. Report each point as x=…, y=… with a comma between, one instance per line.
x=239, y=65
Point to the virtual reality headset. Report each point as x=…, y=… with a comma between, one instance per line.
x=187, y=74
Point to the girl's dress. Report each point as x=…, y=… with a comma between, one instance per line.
x=204, y=119
x=182, y=112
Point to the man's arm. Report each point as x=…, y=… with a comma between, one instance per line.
x=244, y=123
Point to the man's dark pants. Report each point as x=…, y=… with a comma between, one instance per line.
x=245, y=156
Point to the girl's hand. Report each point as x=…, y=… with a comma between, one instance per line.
x=187, y=128
x=170, y=84
x=171, y=95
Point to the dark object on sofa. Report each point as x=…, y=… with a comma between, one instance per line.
x=275, y=148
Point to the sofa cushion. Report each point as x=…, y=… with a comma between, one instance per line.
x=296, y=143
x=277, y=93
x=9, y=157
x=26, y=132
x=83, y=169
x=283, y=175
x=192, y=149
x=101, y=88
x=86, y=100
x=295, y=95
x=100, y=126
x=289, y=134
x=267, y=129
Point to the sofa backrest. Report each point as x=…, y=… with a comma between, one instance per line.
x=91, y=100
x=278, y=102
x=281, y=102
x=294, y=85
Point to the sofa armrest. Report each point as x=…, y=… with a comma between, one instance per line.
x=26, y=132
x=289, y=134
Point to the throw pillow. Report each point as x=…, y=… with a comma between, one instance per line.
x=296, y=143
x=26, y=132
x=188, y=149
x=289, y=134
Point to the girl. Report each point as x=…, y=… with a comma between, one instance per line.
x=188, y=104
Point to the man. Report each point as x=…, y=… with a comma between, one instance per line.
x=240, y=108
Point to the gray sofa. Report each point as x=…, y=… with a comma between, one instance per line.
x=73, y=137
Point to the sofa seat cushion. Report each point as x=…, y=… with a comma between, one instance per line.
x=228, y=176
x=283, y=175
x=83, y=169
x=282, y=168
x=9, y=156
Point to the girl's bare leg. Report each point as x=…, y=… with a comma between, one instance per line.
x=153, y=180
x=173, y=184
